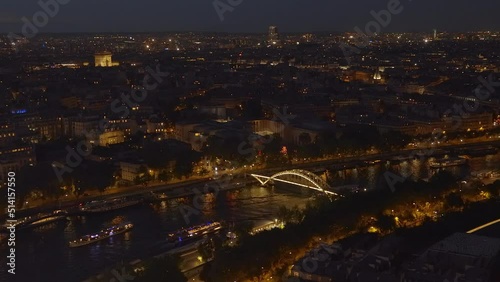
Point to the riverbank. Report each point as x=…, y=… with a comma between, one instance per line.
x=412, y=205
x=71, y=200
x=174, y=191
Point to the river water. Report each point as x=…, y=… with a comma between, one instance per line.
x=43, y=254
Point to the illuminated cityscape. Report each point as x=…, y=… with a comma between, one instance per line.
x=271, y=153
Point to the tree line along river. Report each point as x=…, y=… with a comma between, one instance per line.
x=43, y=254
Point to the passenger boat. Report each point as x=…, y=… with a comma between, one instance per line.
x=46, y=220
x=108, y=205
x=441, y=163
x=103, y=234
x=36, y=220
x=439, y=152
x=194, y=232
x=372, y=162
x=480, y=151
x=400, y=158
x=348, y=189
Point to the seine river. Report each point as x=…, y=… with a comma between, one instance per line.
x=43, y=254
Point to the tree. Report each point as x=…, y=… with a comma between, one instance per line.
x=165, y=175
x=156, y=154
x=185, y=164
x=27, y=182
x=222, y=148
x=102, y=176
x=206, y=249
x=292, y=215
x=252, y=109
x=283, y=214
x=244, y=228
x=394, y=140
x=454, y=200
x=164, y=269
x=386, y=223
x=92, y=175
x=273, y=144
x=77, y=191
x=442, y=180
x=40, y=177
x=350, y=141
x=327, y=141
x=143, y=176
x=494, y=188
x=305, y=138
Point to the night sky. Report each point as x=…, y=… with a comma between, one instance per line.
x=252, y=15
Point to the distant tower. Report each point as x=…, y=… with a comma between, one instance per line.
x=435, y=34
x=273, y=36
x=103, y=59
x=377, y=76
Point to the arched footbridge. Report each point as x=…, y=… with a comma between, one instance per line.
x=299, y=177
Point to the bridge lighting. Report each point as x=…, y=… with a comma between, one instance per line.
x=314, y=181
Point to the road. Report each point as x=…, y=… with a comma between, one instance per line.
x=338, y=161
x=484, y=226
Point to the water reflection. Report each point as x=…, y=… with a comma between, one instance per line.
x=371, y=176
x=41, y=250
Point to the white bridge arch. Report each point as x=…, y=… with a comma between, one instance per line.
x=312, y=180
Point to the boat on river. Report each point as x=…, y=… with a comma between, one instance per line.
x=449, y=162
x=101, y=235
x=35, y=220
x=194, y=232
x=108, y=205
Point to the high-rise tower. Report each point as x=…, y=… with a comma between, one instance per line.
x=273, y=36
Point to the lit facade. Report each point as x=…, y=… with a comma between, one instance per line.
x=103, y=59
x=111, y=137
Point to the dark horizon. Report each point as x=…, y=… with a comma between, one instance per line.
x=244, y=140
x=252, y=17
x=264, y=33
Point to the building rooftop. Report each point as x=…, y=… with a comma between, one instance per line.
x=469, y=244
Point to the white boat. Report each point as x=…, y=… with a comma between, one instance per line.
x=47, y=220
x=440, y=163
x=103, y=234
x=37, y=220
x=108, y=205
x=194, y=232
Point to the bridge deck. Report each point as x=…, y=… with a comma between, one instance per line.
x=314, y=181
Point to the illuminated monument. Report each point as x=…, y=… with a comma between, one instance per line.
x=103, y=59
